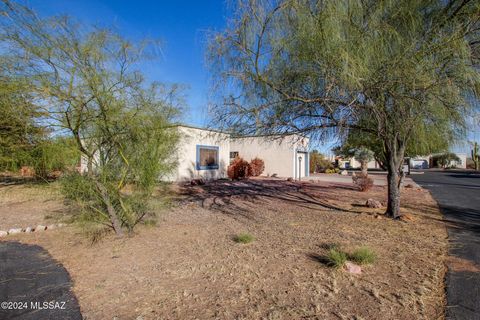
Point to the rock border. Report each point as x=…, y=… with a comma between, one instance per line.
x=38, y=228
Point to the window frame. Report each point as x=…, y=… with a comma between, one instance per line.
x=210, y=167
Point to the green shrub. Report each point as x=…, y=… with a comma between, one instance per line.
x=363, y=255
x=243, y=238
x=336, y=258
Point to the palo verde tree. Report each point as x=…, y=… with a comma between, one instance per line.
x=324, y=68
x=85, y=80
x=20, y=131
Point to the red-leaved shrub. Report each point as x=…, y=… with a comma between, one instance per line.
x=239, y=169
x=256, y=167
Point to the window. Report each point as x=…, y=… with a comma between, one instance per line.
x=207, y=157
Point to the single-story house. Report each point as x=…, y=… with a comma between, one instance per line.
x=418, y=162
x=204, y=153
x=425, y=162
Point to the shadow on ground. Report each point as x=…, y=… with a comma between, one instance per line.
x=29, y=277
x=217, y=195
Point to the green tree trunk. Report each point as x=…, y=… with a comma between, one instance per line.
x=112, y=214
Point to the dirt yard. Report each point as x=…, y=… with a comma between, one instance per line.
x=189, y=267
x=29, y=205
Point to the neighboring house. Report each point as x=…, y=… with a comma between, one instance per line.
x=418, y=162
x=426, y=162
x=206, y=154
x=352, y=163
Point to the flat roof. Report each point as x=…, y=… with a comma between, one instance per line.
x=237, y=136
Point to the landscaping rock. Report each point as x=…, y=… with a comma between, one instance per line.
x=51, y=227
x=3, y=233
x=27, y=230
x=353, y=268
x=40, y=228
x=344, y=173
x=372, y=203
x=14, y=231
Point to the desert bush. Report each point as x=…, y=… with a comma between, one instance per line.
x=83, y=192
x=363, y=255
x=336, y=258
x=364, y=183
x=243, y=238
x=332, y=170
x=59, y=154
x=256, y=167
x=239, y=169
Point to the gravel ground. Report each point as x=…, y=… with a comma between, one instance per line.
x=189, y=267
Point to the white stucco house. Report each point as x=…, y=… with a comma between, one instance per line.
x=204, y=153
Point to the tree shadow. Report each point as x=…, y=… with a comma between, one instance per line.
x=219, y=194
x=29, y=273
x=319, y=258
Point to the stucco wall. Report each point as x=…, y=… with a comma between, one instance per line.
x=278, y=154
x=186, y=154
x=370, y=165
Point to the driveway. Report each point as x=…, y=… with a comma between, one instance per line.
x=379, y=178
x=458, y=195
x=33, y=285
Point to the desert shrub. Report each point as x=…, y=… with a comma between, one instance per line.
x=238, y=169
x=364, y=183
x=256, y=167
x=332, y=170
x=243, y=238
x=363, y=255
x=444, y=160
x=336, y=258
x=59, y=154
x=92, y=212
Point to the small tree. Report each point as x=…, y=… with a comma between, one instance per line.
x=444, y=160
x=390, y=69
x=86, y=81
x=20, y=131
x=364, y=156
x=318, y=163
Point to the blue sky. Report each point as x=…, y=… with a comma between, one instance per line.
x=181, y=27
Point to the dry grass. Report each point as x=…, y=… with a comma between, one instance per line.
x=30, y=205
x=187, y=267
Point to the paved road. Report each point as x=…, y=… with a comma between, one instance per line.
x=458, y=194
x=28, y=274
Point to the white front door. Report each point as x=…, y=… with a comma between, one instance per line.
x=300, y=167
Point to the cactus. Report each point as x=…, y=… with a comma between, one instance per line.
x=475, y=156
